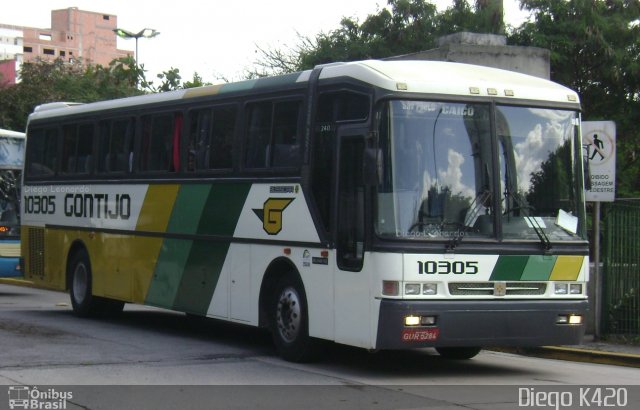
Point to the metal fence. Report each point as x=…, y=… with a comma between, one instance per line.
x=621, y=258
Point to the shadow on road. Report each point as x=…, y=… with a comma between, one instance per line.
x=407, y=364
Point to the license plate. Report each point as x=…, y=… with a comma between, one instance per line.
x=420, y=335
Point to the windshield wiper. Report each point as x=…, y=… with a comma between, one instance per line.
x=531, y=220
x=470, y=219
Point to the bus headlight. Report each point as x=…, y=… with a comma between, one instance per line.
x=412, y=320
x=430, y=289
x=570, y=319
x=412, y=289
x=561, y=289
x=575, y=289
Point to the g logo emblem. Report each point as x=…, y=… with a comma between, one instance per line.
x=271, y=214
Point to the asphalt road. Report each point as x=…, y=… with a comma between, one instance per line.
x=152, y=358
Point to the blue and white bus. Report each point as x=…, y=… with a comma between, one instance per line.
x=11, y=160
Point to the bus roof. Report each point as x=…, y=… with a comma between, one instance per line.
x=407, y=76
x=11, y=134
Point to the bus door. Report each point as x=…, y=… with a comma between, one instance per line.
x=351, y=295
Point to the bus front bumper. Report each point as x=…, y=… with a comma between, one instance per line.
x=481, y=323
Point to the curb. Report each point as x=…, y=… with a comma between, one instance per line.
x=17, y=282
x=576, y=355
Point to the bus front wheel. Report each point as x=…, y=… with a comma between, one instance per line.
x=289, y=322
x=458, y=353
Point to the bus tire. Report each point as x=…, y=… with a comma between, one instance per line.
x=458, y=353
x=289, y=322
x=80, y=286
x=110, y=307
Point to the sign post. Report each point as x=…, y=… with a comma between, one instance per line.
x=599, y=139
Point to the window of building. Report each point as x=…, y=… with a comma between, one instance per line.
x=105, y=17
x=45, y=37
x=27, y=49
x=49, y=52
x=63, y=53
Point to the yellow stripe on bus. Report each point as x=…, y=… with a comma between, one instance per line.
x=154, y=217
x=157, y=207
x=567, y=268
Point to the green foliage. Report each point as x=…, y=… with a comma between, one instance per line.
x=404, y=26
x=595, y=49
x=43, y=82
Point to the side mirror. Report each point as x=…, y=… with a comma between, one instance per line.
x=372, y=167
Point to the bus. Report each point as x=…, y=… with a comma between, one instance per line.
x=11, y=159
x=377, y=204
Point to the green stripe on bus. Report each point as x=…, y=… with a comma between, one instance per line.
x=168, y=272
x=174, y=254
x=188, y=208
x=223, y=208
x=539, y=267
x=509, y=268
x=203, y=267
x=201, y=276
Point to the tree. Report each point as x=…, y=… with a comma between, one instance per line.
x=595, y=49
x=404, y=26
x=43, y=82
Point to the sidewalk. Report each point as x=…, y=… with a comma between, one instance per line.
x=590, y=351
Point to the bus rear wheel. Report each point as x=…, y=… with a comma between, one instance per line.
x=84, y=303
x=289, y=322
x=82, y=299
x=458, y=353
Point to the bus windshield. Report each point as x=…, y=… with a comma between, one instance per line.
x=438, y=180
x=11, y=157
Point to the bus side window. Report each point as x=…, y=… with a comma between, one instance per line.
x=160, y=142
x=272, y=138
x=224, y=123
x=258, y=134
x=77, y=149
x=116, y=145
x=285, y=150
x=198, y=145
x=42, y=152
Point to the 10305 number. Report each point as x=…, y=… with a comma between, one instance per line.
x=447, y=267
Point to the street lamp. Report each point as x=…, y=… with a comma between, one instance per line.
x=146, y=33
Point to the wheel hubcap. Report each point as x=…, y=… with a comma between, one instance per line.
x=288, y=314
x=80, y=283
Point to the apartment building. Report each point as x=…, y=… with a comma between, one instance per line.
x=74, y=34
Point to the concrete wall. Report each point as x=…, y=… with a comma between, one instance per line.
x=487, y=50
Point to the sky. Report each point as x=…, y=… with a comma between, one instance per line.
x=217, y=39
